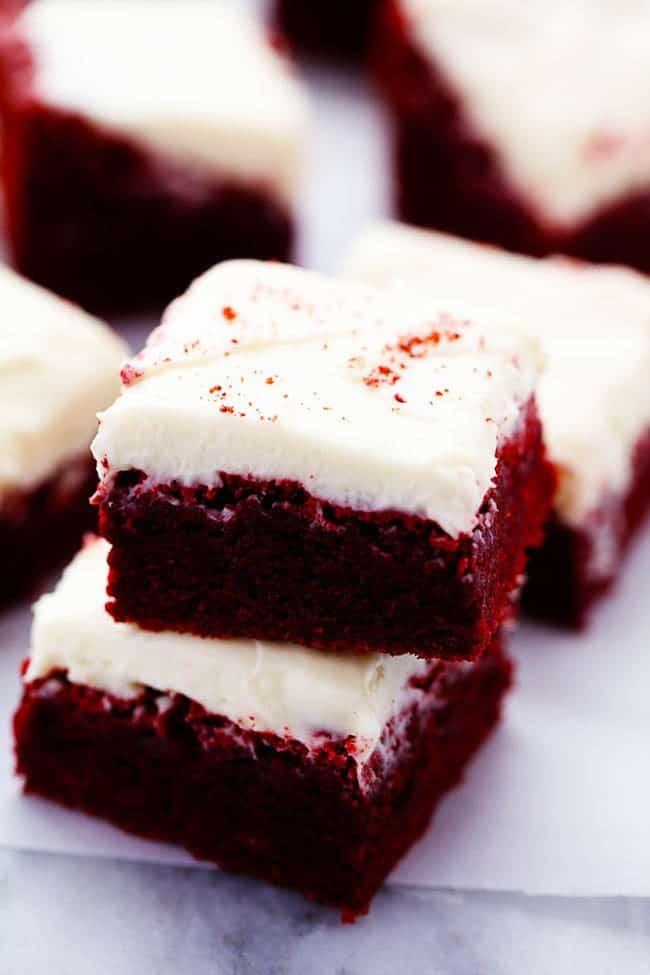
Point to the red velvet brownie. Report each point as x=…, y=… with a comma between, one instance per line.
x=150, y=139
x=593, y=324
x=522, y=124
x=298, y=458
x=338, y=30
x=311, y=770
x=58, y=367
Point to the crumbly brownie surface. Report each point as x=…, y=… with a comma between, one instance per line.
x=163, y=768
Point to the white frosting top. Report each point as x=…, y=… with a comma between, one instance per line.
x=195, y=79
x=369, y=400
x=264, y=686
x=560, y=89
x=592, y=322
x=58, y=366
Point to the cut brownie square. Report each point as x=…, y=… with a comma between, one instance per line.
x=298, y=458
x=523, y=124
x=311, y=770
x=149, y=139
x=58, y=367
x=337, y=30
x=593, y=324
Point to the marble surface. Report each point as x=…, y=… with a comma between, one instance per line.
x=66, y=915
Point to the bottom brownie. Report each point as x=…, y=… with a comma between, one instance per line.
x=328, y=813
x=576, y=566
x=41, y=528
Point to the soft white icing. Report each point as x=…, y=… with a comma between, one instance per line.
x=592, y=322
x=195, y=79
x=58, y=366
x=265, y=686
x=559, y=89
x=275, y=372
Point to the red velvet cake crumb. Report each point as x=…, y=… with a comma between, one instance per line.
x=40, y=529
x=163, y=768
x=266, y=559
x=564, y=577
x=451, y=179
x=336, y=30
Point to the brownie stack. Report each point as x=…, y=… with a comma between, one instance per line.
x=315, y=500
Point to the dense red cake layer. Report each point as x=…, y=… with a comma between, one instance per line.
x=41, y=529
x=266, y=559
x=253, y=802
x=98, y=219
x=338, y=30
x=451, y=179
x=564, y=576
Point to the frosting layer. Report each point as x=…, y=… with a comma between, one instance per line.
x=58, y=366
x=371, y=400
x=592, y=323
x=194, y=79
x=558, y=89
x=281, y=688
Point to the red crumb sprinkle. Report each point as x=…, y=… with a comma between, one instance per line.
x=130, y=374
x=229, y=313
x=381, y=375
x=215, y=389
x=400, y=399
x=269, y=380
x=226, y=409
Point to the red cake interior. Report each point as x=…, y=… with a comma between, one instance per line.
x=266, y=559
x=40, y=529
x=101, y=220
x=254, y=802
x=338, y=30
x=451, y=179
x=562, y=584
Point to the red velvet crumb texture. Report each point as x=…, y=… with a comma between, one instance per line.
x=267, y=560
x=40, y=529
x=98, y=219
x=252, y=802
x=336, y=30
x=563, y=583
x=451, y=179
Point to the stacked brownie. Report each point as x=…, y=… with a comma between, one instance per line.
x=316, y=499
x=144, y=140
x=593, y=324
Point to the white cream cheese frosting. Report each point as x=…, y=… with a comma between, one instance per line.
x=592, y=323
x=264, y=686
x=370, y=400
x=58, y=367
x=559, y=90
x=197, y=80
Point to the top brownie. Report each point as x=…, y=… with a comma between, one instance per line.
x=302, y=459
